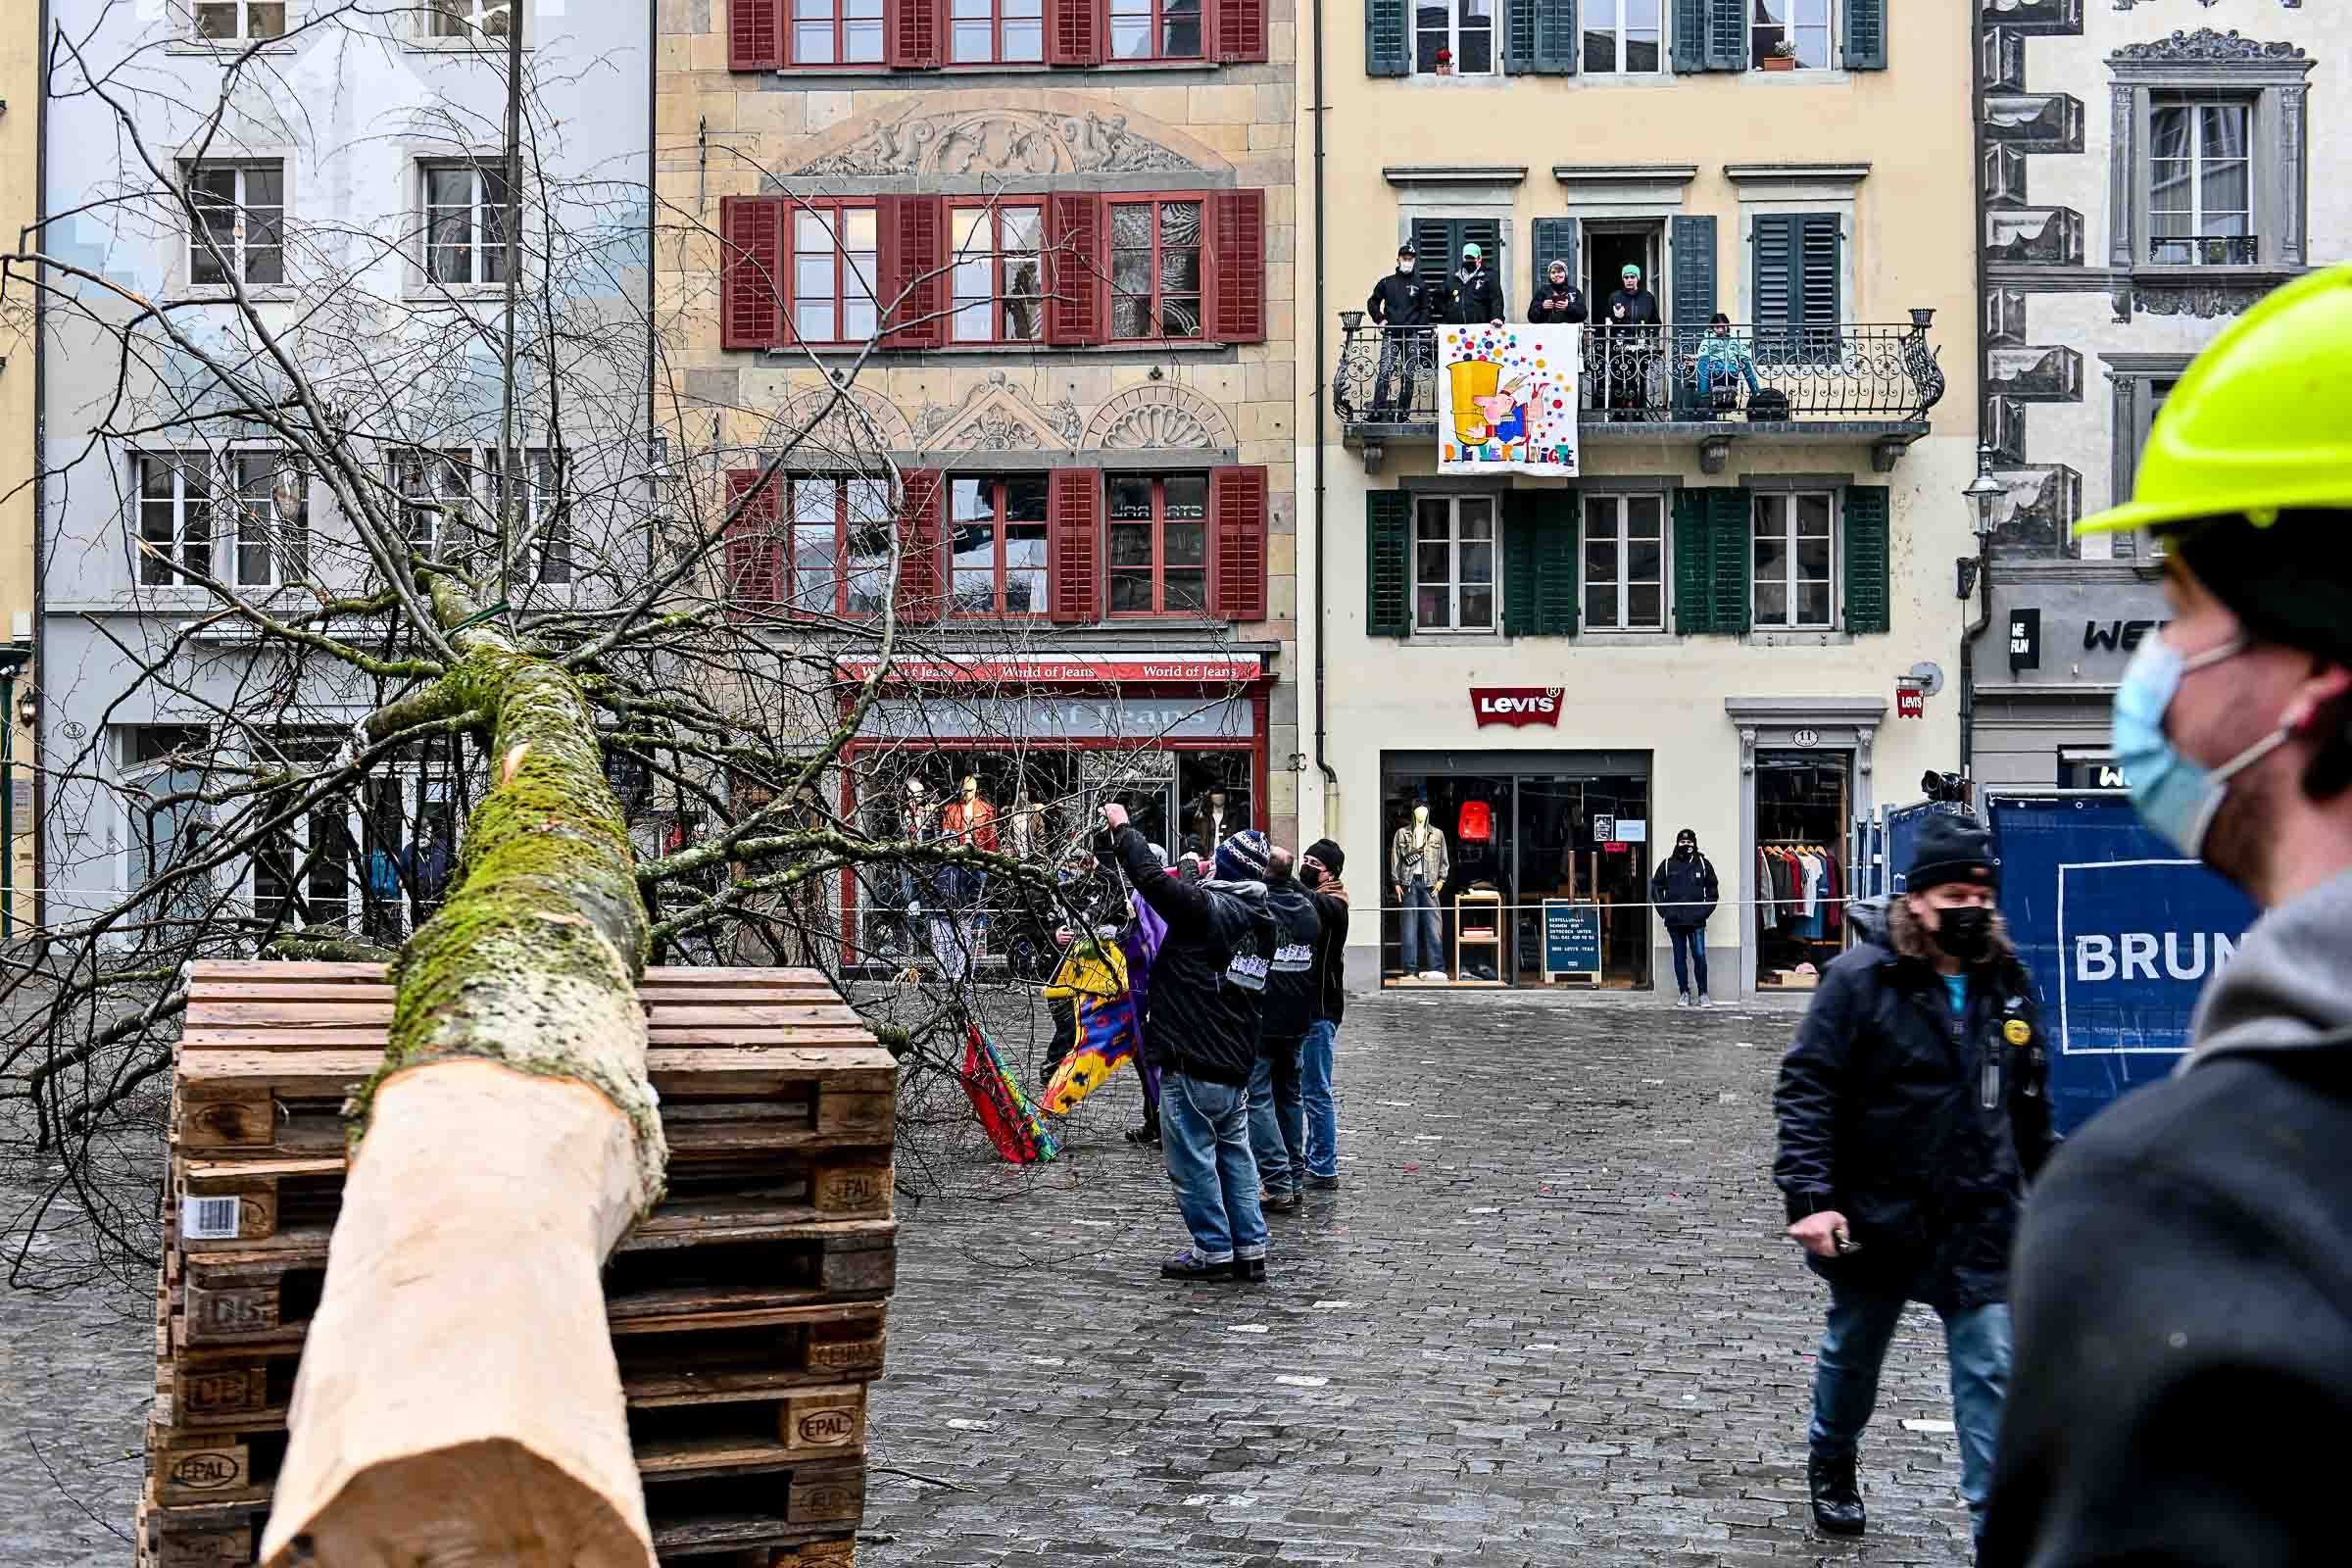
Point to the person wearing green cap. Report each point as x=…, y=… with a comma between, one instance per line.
x=2181, y=1295
x=1630, y=319
x=1477, y=296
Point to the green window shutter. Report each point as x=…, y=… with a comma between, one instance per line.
x=1555, y=41
x=1519, y=36
x=1557, y=554
x=1773, y=286
x=1866, y=34
x=1522, y=523
x=1693, y=295
x=1388, y=563
x=1817, y=283
x=1689, y=53
x=1727, y=34
x=1388, y=40
x=1487, y=234
x=1437, y=251
x=1731, y=515
x=1869, y=588
x=1553, y=239
x=1693, y=607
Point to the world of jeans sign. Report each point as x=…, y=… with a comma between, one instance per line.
x=1507, y=399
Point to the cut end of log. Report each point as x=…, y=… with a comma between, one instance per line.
x=463, y=1507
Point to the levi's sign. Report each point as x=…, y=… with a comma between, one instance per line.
x=1516, y=705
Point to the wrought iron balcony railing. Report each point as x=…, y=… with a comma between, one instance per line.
x=2205, y=250
x=1387, y=377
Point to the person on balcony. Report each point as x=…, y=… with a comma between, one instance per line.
x=1631, y=317
x=1400, y=309
x=1721, y=356
x=1559, y=302
x=1477, y=295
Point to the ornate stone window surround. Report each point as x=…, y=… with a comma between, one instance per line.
x=2132, y=378
x=2269, y=77
x=1833, y=726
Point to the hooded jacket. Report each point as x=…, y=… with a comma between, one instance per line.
x=1292, y=984
x=1208, y=979
x=1397, y=300
x=2193, y=1244
x=1920, y=1127
x=1684, y=891
x=1476, y=297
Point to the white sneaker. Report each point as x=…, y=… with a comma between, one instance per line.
x=1438, y=976
x=1681, y=999
x=1703, y=999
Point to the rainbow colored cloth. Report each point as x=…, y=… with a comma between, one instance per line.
x=1005, y=1113
x=1093, y=975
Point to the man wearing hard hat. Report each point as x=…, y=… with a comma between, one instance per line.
x=2182, y=1286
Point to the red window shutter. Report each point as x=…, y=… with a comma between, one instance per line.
x=1073, y=32
x=1074, y=234
x=754, y=34
x=751, y=271
x=1237, y=250
x=754, y=542
x=1236, y=504
x=919, y=501
x=1241, y=30
x=913, y=264
x=914, y=28
x=1073, y=526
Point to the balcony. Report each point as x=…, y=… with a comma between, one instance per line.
x=1779, y=383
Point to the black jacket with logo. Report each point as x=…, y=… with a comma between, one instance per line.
x=1920, y=1127
x=1208, y=982
x=1568, y=299
x=1397, y=300
x=1291, y=986
x=1477, y=299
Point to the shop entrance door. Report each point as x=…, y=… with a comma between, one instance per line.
x=1803, y=827
x=1474, y=814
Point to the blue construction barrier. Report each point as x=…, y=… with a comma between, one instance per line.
x=1902, y=832
x=2120, y=934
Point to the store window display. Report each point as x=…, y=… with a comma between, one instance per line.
x=1418, y=870
x=1802, y=819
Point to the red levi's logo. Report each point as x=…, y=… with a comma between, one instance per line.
x=1516, y=705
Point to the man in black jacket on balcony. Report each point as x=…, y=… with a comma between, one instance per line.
x=1630, y=344
x=1558, y=301
x=1477, y=291
x=1398, y=307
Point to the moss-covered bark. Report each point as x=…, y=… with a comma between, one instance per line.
x=533, y=960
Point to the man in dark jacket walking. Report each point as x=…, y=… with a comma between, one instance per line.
x=1686, y=891
x=1320, y=872
x=1208, y=986
x=1558, y=301
x=1912, y=1112
x=1477, y=295
x=1397, y=304
x=2183, y=1295
x=1277, y=1116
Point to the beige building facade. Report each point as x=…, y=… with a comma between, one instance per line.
x=19, y=206
x=1715, y=622
x=1067, y=234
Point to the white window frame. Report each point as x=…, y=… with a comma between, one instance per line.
x=138, y=780
x=1454, y=38
x=2192, y=102
x=296, y=746
x=1619, y=501
x=177, y=552
x=478, y=246
x=472, y=39
x=235, y=252
x=1786, y=501
x=1617, y=29
x=282, y=544
x=1831, y=59
x=191, y=12
x=1454, y=543
x=543, y=488
x=469, y=477
x=427, y=531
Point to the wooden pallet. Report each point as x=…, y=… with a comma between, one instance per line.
x=748, y=1312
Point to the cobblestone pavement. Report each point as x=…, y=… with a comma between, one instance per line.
x=1548, y=1319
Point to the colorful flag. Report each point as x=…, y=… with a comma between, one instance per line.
x=1093, y=975
x=996, y=1100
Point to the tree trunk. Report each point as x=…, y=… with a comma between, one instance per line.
x=457, y=1402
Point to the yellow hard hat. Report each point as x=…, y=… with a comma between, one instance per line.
x=2260, y=423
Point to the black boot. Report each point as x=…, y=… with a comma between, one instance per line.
x=1836, y=1495
x=1149, y=1132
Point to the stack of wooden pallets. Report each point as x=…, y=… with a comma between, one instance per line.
x=747, y=1313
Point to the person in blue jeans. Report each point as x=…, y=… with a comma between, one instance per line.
x=1720, y=357
x=1913, y=1108
x=1685, y=889
x=1208, y=986
x=1417, y=869
x=1277, y=1113
x=1319, y=872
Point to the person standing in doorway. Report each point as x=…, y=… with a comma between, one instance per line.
x=1629, y=317
x=1912, y=1112
x=1686, y=893
x=1477, y=296
x=1417, y=870
x=1397, y=305
x=1557, y=300
x=1319, y=872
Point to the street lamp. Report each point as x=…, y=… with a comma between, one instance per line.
x=1979, y=493
x=14, y=656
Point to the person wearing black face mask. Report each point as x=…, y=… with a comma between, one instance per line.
x=1913, y=1108
x=1686, y=891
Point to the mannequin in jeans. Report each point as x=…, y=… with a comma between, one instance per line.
x=1417, y=869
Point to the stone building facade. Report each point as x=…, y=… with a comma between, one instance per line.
x=1015, y=280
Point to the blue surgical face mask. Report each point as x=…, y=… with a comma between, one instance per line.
x=2176, y=796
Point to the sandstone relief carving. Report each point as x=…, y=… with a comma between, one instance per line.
x=997, y=416
x=1158, y=417
x=1001, y=141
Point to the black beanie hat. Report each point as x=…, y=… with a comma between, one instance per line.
x=1951, y=849
x=1327, y=855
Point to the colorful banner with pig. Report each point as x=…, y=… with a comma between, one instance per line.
x=1507, y=397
